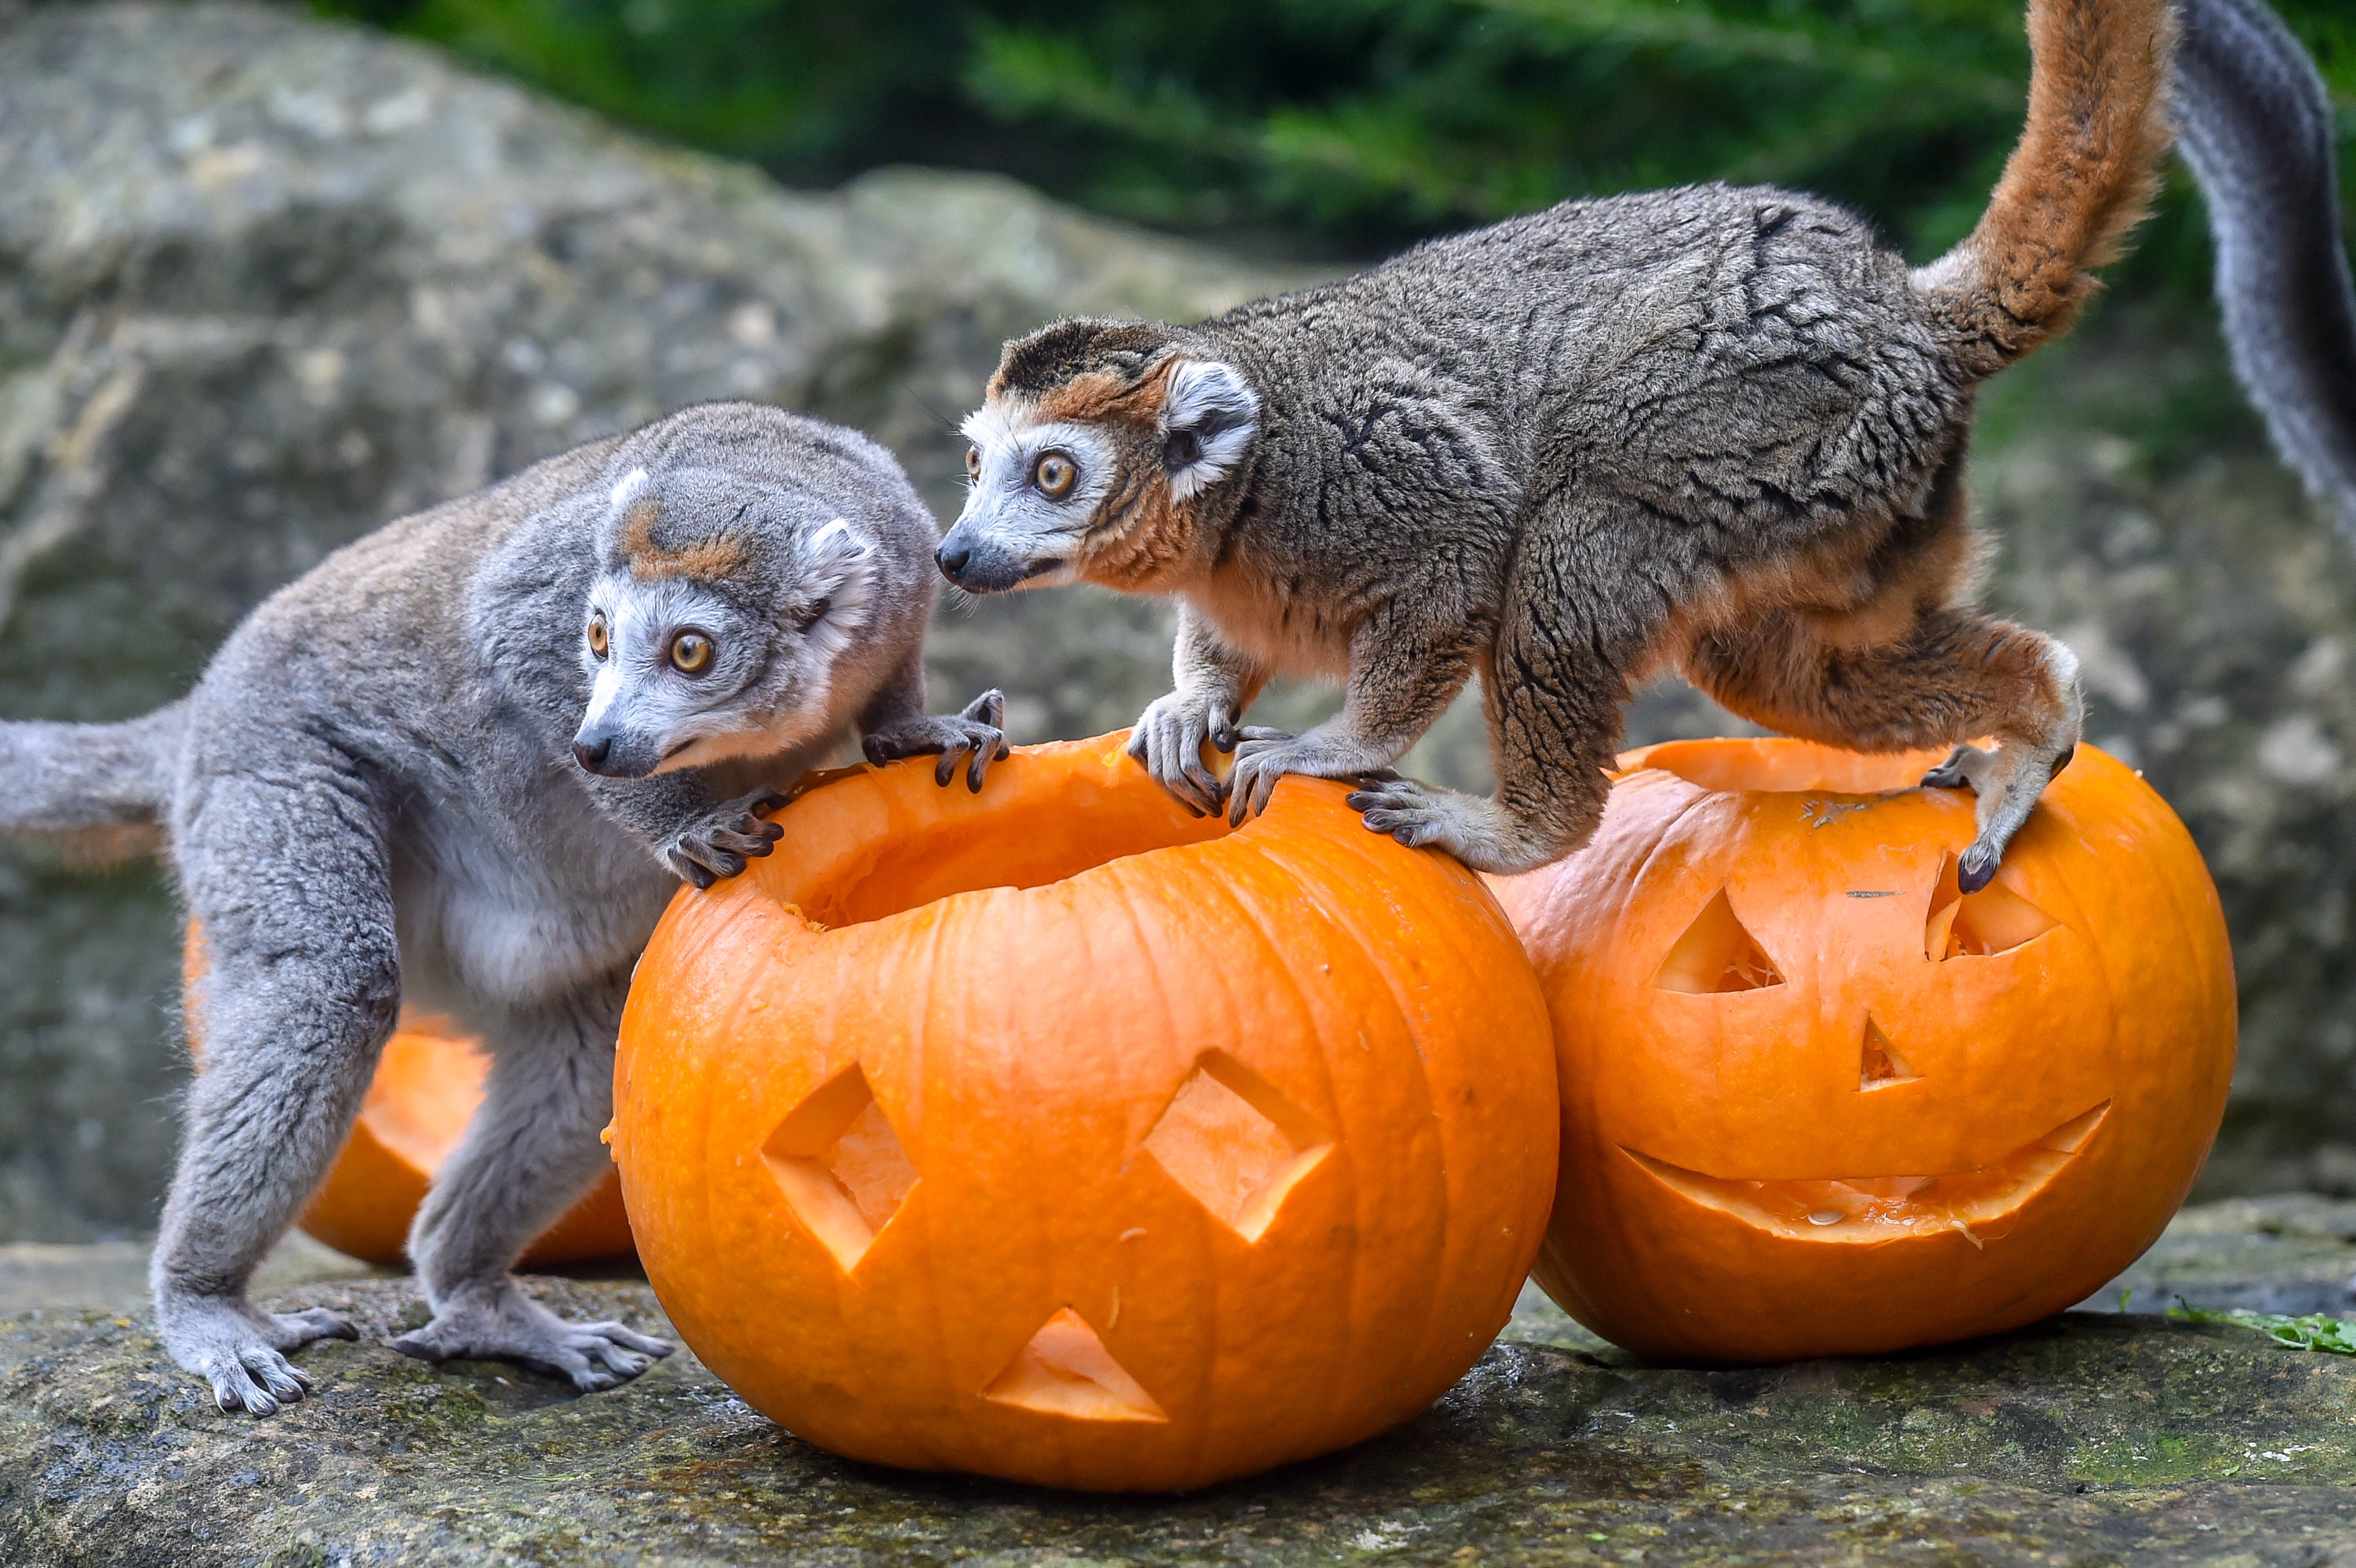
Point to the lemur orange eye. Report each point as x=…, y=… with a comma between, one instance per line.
x=973, y=462
x=598, y=636
x=690, y=653
x=1055, y=476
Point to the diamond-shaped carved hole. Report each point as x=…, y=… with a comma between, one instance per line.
x=1718, y=954
x=1235, y=1144
x=1979, y=926
x=840, y=1166
x=1066, y=1371
x=1881, y=1065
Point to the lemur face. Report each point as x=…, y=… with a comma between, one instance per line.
x=1092, y=475
x=712, y=629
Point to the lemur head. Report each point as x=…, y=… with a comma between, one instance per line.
x=714, y=621
x=1094, y=447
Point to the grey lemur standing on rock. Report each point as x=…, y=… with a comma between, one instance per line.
x=1709, y=429
x=463, y=762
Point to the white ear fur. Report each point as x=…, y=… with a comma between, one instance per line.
x=1212, y=405
x=627, y=489
x=842, y=569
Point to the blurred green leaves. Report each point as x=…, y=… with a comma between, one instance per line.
x=1342, y=125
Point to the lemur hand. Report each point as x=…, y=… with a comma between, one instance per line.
x=1169, y=739
x=719, y=843
x=977, y=733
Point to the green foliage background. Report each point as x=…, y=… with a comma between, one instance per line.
x=1337, y=127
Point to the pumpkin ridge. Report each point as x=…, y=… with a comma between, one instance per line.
x=1352, y=1351
x=1429, y=1303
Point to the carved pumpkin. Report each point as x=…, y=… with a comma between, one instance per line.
x=1816, y=1103
x=428, y=1082
x=1058, y=1133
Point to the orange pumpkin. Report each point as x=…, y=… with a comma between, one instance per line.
x=428, y=1082
x=1816, y=1103
x=1058, y=1134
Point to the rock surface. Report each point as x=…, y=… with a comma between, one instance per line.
x=266, y=283
x=2087, y=1439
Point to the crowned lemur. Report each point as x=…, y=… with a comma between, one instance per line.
x=1711, y=429
x=431, y=771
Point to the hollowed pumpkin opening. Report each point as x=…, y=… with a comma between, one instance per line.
x=1018, y=838
x=1718, y=954
x=1792, y=766
x=1978, y=925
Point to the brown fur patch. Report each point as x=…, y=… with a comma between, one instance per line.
x=2082, y=174
x=705, y=558
x=1100, y=396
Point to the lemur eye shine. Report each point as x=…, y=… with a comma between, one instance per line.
x=690, y=653
x=597, y=638
x=1055, y=476
x=973, y=462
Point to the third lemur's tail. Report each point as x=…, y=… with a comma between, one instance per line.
x=2082, y=173
x=2258, y=131
x=99, y=788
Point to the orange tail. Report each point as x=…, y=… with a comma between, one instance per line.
x=2082, y=176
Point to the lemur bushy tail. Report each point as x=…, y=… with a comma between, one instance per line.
x=98, y=789
x=2258, y=131
x=2082, y=176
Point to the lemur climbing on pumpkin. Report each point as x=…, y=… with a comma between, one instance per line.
x=465, y=762
x=1717, y=430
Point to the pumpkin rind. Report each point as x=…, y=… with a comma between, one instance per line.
x=1091, y=1022
x=1738, y=1165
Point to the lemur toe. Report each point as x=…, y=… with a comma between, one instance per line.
x=989, y=709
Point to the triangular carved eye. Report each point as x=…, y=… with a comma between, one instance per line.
x=1979, y=926
x=1880, y=1065
x=1066, y=1371
x=1718, y=954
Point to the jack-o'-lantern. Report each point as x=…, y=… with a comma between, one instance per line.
x=1817, y=1101
x=428, y=1082
x=1058, y=1133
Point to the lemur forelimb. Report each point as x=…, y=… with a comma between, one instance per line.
x=1715, y=429
x=463, y=763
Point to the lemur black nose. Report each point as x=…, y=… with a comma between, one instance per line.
x=592, y=754
x=952, y=559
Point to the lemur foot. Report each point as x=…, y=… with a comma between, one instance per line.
x=724, y=840
x=1167, y=739
x=975, y=734
x=503, y=1323
x=1423, y=816
x=240, y=1348
x=1267, y=755
x=2008, y=782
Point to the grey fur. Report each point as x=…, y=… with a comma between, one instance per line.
x=2259, y=133
x=371, y=799
x=1713, y=429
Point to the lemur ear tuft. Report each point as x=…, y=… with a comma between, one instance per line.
x=838, y=567
x=626, y=490
x=1209, y=416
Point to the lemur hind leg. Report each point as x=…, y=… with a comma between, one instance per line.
x=1949, y=675
x=1408, y=659
x=301, y=984
x=532, y=1149
x=1552, y=690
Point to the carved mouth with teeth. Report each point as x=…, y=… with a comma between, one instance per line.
x=1979, y=1204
